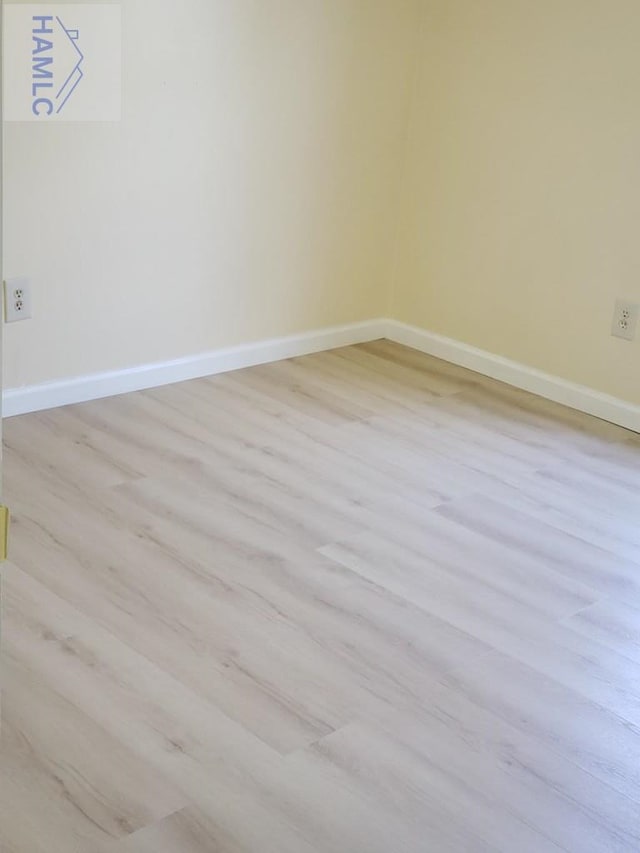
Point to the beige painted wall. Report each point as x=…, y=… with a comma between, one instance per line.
x=250, y=191
x=521, y=217
x=261, y=175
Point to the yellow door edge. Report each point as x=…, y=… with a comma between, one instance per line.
x=4, y=533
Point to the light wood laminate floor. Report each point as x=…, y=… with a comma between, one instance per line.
x=357, y=602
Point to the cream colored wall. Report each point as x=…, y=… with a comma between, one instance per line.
x=521, y=218
x=253, y=187
x=250, y=190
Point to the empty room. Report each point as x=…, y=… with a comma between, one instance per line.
x=320, y=523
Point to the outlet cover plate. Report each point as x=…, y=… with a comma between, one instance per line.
x=17, y=300
x=625, y=320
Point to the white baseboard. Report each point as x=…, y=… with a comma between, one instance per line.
x=49, y=395
x=551, y=387
x=34, y=398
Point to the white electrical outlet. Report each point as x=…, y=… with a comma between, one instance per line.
x=625, y=320
x=17, y=300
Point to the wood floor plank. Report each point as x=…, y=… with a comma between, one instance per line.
x=425, y=374
x=567, y=555
x=196, y=628
x=514, y=773
x=153, y=714
x=548, y=502
x=58, y=767
x=615, y=624
x=422, y=790
x=536, y=422
x=589, y=735
x=447, y=378
x=357, y=601
x=442, y=561
x=617, y=496
x=44, y=440
x=186, y=831
x=324, y=405
x=415, y=435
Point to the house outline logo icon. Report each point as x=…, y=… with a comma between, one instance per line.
x=73, y=80
x=62, y=61
x=54, y=46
